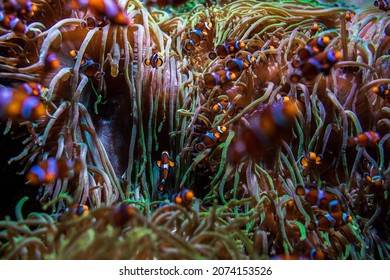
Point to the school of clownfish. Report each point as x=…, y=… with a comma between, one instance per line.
x=267, y=125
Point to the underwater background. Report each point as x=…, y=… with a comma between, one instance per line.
x=194, y=129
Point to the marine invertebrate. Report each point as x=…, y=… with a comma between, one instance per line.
x=235, y=125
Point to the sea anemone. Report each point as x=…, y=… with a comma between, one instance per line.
x=245, y=92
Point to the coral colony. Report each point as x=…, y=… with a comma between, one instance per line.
x=194, y=129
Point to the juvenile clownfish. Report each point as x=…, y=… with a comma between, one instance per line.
x=196, y=36
x=18, y=103
x=333, y=220
x=93, y=22
x=313, y=47
x=364, y=139
x=155, y=61
x=220, y=77
x=383, y=91
x=310, y=160
x=108, y=9
x=315, y=28
x=373, y=176
x=184, y=198
x=51, y=169
x=226, y=49
x=88, y=66
x=204, y=27
x=320, y=63
x=19, y=7
x=267, y=127
x=236, y=65
x=123, y=214
x=322, y=199
x=52, y=62
x=222, y=106
x=32, y=88
x=209, y=139
x=164, y=164
x=13, y=23
x=349, y=15
x=77, y=210
x=382, y=5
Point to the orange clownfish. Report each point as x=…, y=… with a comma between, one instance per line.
x=19, y=7
x=373, y=176
x=322, y=199
x=77, y=210
x=310, y=160
x=123, y=214
x=333, y=220
x=108, y=9
x=32, y=88
x=383, y=90
x=196, y=36
x=320, y=63
x=222, y=106
x=349, y=15
x=11, y=22
x=184, y=198
x=315, y=28
x=364, y=139
x=52, y=62
x=164, y=164
x=92, y=22
x=226, y=49
x=89, y=67
x=237, y=65
x=204, y=27
x=51, y=169
x=155, y=61
x=209, y=139
x=18, y=103
x=220, y=77
x=382, y=5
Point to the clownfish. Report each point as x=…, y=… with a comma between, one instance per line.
x=315, y=28
x=267, y=127
x=333, y=220
x=123, y=214
x=77, y=210
x=322, y=199
x=237, y=65
x=226, y=49
x=51, y=169
x=184, y=198
x=108, y=9
x=155, y=61
x=310, y=160
x=220, y=77
x=313, y=47
x=19, y=7
x=320, y=63
x=382, y=5
x=373, y=176
x=18, y=103
x=164, y=164
x=364, y=139
x=32, y=88
x=349, y=15
x=222, y=106
x=204, y=27
x=383, y=91
x=52, y=62
x=88, y=66
x=196, y=36
x=12, y=23
x=209, y=139
x=93, y=22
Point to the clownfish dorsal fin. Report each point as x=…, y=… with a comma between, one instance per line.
x=158, y=163
x=172, y=164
